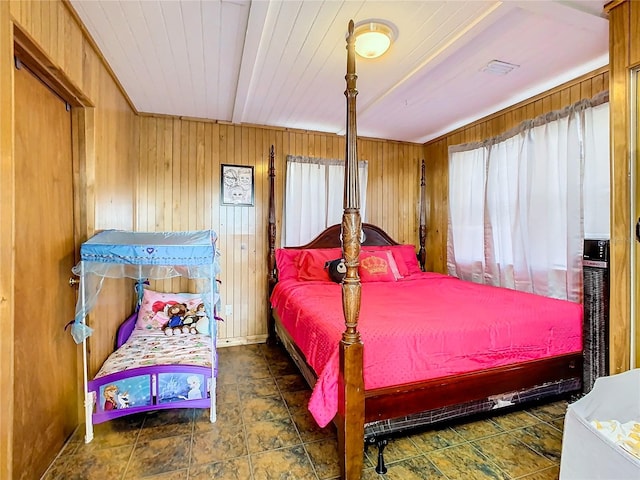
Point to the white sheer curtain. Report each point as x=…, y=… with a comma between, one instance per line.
x=314, y=196
x=465, y=255
x=518, y=203
x=596, y=180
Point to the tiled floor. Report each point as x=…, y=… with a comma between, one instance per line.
x=264, y=432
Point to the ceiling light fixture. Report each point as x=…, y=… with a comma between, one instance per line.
x=374, y=37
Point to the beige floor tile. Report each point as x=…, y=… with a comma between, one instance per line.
x=431, y=440
x=464, y=462
x=167, y=423
x=234, y=469
x=268, y=408
x=280, y=368
x=550, y=411
x=398, y=448
x=227, y=414
x=416, y=468
x=324, y=457
x=259, y=387
x=285, y=464
x=227, y=394
x=218, y=444
x=517, y=419
x=558, y=424
x=108, y=462
x=543, y=439
x=264, y=431
x=478, y=429
x=159, y=455
x=309, y=429
x=271, y=434
x=175, y=475
x=297, y=401
x=292, y=383
x=552, y=473
x=511, y=455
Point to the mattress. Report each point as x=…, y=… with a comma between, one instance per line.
x=421, y=327
x=145, y=348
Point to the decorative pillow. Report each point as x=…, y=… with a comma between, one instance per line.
x=154, y=311
x=287, y=262
x=404, y=255
x=378, y=267
x=311, y=263
x=408, y=254
x=336, y=269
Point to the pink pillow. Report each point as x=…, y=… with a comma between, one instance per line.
x=408, y=254
x=404, y=255
x=378, y=267
x=153, y=310
x=287, y=262
x=311, y=263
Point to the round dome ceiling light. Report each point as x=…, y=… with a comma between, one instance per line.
x=374, y=37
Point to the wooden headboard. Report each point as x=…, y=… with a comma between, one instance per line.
x=331, y=237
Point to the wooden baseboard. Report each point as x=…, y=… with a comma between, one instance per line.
x=234, y=342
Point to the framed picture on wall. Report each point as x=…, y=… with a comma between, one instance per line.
x=236, y=185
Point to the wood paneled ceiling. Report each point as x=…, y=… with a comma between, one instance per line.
x=282, y=63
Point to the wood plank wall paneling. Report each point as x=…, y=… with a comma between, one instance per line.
x=624, y=54
x=108, y=172
x=7, y=203
x=634, y=34
x=636, y=269
x=436, y=152
x=180, y=167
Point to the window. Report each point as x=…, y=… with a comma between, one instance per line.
x=314, y=196
x=521, y=204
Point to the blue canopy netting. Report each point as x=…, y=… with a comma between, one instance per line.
x=145, y=256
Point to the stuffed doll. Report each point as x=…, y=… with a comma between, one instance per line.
x=191, y=319
x=176, y=313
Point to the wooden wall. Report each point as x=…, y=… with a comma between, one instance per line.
x=7, y=280
x=179, y=189
x=624, y=55
x=104, y=135
x=436, y=151
x=132, y=178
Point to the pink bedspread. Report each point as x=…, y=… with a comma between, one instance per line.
x=424, y=326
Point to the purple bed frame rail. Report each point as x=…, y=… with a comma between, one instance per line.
x=152, y=373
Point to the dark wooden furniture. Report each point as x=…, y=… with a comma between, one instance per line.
x=372, y=415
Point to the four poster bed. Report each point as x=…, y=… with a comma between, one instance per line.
x=418, y=347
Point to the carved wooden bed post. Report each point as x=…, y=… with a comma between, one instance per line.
x=271, y=274
x=350, y=416
x=422, y=253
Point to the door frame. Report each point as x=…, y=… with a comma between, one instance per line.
x=14, y=41
x=634, y=141
x=82, y=128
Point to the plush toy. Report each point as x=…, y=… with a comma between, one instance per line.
x=202, y=325
x=202, y=320
x=336, y=269
x=189, y=322
x=176, y=313
x=191, y=319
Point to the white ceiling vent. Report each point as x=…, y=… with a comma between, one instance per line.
x=498, y=67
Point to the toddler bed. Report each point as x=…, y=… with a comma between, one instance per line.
x=165, y=353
